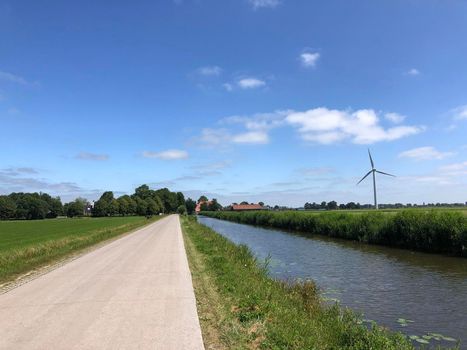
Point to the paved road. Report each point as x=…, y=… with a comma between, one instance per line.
x=134, y=293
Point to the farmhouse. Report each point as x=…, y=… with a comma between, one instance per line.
x=246, y=207
x=198, y=206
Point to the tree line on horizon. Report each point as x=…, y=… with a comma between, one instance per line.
x=333, y=205
x=143, y=202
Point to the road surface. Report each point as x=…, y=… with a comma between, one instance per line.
x=134, y=293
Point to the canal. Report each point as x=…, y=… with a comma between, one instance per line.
x=421, y=295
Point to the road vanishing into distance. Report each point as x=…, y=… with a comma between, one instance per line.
x=133, y=293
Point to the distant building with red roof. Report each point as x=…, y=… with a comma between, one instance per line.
x=246, y=207
x=198, y=206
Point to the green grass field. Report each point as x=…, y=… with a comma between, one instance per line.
x=25, y=245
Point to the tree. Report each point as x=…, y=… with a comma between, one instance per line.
x=180, y=199
x=323, y=205
x=29, y=206
x=113, y=207
x=311, y=206
x=169, y=200
x=261, y=203
x=105, y=205
x=141, y=206
x=214, y=205
x=37, y=208
x=131, y=206
x=202, y=199
x=55, y=207
x=159, y=203
x=332, y=205
x=7, y=208
x=204, y=206
x=190, y=206
x=143, y=192
x=244, y=203
x=124, y=205
x=182, y=210
x=76, y=208
x=151, y=207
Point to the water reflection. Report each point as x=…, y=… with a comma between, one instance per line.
x=384, y=284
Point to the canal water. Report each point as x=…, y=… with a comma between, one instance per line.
x=421, y=295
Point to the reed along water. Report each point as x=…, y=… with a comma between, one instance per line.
x=421, y=295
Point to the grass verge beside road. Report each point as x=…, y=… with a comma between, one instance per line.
x=241, y=307
x=27, y=245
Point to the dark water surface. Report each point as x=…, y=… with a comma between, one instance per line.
x=387, y=285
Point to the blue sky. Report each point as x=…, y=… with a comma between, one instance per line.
x=272, y=100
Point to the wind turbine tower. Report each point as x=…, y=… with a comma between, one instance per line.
x=374, y=171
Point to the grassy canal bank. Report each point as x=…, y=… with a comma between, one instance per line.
x=26, y=245
x=241, y=307
x=434, y=231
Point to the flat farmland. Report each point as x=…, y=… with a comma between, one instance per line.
x=25, y=245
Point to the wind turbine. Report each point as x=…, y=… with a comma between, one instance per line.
x=374, y=171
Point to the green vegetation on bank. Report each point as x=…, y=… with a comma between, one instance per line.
x=25, y=245
x=434, y=231
x=241, y=307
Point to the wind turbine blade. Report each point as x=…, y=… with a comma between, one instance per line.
x=363, y=178
x=381, y=172
x=371, y=159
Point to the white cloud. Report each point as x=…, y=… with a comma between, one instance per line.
x=395, y=117
x=14, y=180
x=319, y=125
x=222, y=137
x=214, y=137
x=455, y=169
x=259, y=121
x=210, y=71
x=15, y=79
x=309, y=59
x=171, y=154
x=250, y=83
x=18, y=171
x=243, y=129
x=413, y=72
x=425, y=153
x=264, y=3
x=251, y=137
x=460, y=113
x=327, y=126
x=92, y=156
